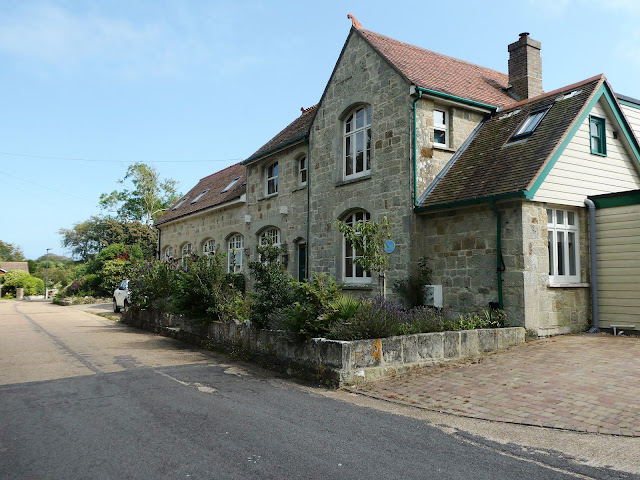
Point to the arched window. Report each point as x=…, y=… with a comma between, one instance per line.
x=168, y=253
x=208, y=247
x=354, y=273
x=272, y=234
x=235, y=253
x=272, y=179
x=357, y=142
x=187, y=249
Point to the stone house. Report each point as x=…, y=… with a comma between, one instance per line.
x=481, y=172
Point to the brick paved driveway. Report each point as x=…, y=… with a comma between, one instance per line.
x=586, y=383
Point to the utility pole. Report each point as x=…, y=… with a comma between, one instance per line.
x=46, y=274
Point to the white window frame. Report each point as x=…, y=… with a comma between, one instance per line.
x=441, y=127
x=352, y=131
x=353, y=274
x=273, y=233
x=303, y=171
x=561, y=250
x=271, y=177
x=186, y=251
x=235, y=246
x=209, y=247
x=168, y=253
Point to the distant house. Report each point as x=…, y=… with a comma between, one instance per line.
x=482, y=172
x=6, y=266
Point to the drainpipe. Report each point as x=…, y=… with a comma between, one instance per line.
x=159, y=242
x=594, y=271
x=415, y=151
x=499, y=267
x=308, y=249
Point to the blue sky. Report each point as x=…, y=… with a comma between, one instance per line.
x=89, y=87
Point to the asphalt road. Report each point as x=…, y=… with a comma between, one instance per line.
x=85, y=397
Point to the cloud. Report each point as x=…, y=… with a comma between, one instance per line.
x=49, y=37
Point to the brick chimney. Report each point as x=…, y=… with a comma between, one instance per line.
x=525, y=68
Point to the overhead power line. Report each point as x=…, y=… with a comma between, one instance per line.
x=80, y=159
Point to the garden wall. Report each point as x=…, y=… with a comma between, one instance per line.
x=332, y=362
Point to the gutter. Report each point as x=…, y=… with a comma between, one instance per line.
x=594, y=270
x=499, y=264
x=446, y=96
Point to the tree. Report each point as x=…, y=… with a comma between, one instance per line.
x=87, y=239
x=146, y=199
x=368, y=239
x=10, y=252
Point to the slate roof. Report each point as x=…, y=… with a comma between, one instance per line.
x=7, y=266
x=490, y=165
x=435, y=71
x=296, y=130
x=215, y=183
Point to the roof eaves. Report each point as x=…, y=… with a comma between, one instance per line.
x=230, y=201
x=472, y=201
x=273, y=150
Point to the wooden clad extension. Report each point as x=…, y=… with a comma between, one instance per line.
x=633, y=117
x=578, y=172
x=618, y=247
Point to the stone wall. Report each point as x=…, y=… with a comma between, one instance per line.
x=461, y=247
x=287, y=210
x=331, y=362
x=552, y=310
x=361, y=77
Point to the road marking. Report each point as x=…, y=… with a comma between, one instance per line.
x=200, y=387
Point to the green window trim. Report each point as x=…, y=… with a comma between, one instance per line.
x=597, y=135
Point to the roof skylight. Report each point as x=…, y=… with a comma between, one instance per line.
x=530, y=123
x=199, y=196
x=182, y=200
x=233, y=182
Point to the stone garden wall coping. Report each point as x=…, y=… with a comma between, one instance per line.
x=332, y=362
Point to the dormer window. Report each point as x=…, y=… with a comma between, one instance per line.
x=230, y=186
x=272, y=179
x=530, y=123
x=199, y=196
x=441, y=128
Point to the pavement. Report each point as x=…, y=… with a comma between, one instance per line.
x=581, y=383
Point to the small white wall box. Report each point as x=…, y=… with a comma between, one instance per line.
x=284, y=210
x=433, y=295
x=247, y=219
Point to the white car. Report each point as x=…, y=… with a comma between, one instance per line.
x=121, y=297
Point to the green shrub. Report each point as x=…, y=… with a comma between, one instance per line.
x=423, y=320
x=112, y=274
x=14, y=279
x=313, y=310
x=152, y=284
x=203, y=290
x=273, y=289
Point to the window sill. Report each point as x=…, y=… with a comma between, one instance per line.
x=353, y=180
x=443, y=148
x=598, y=154
x=357, y=286
x=299, y=187
x=569, y=285
x=267, y=197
